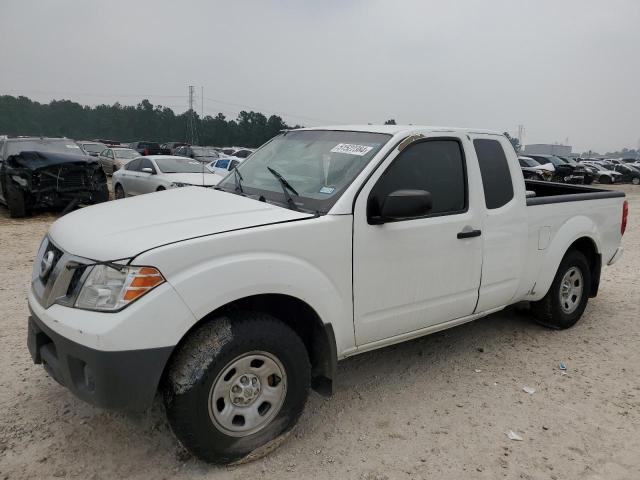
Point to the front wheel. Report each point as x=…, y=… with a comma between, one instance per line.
x=635, y=180
x=16, y=202
x=119, y=192
x=567, y=297
x=235, y=385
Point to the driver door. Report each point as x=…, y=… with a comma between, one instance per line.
x=416, y=273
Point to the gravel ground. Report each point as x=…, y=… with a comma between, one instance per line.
x=437, y=407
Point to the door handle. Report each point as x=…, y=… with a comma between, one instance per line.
x=469, y=233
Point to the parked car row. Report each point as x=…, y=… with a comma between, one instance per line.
x=555, y=168
x=39, y=172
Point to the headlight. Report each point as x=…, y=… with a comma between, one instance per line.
x=108, y=289
x=180, y=184
x=19, y=180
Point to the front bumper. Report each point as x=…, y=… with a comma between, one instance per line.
x=111, y=379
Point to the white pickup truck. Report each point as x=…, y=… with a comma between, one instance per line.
x=325, y=243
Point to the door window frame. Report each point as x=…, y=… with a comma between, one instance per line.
x=430, y=215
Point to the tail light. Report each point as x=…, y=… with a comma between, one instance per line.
x=146, y=151
x=625, y=214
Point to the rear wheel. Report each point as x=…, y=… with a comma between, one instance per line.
x=236, y=386
x=635, y=180
x=567, y=297
x=119, y=191
x=159, y=189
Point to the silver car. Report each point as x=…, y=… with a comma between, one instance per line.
x=114, y=158
x=161, y=172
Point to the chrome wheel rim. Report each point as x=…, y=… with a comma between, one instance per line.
x=571, y=288
x=247, y=394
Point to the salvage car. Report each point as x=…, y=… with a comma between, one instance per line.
x=91, y=148
x=155, y=173
x=201, y=154
x=564, y=172
x=602, y=174
x=149, y=148
x=41, y=172
x=533, y=170
x=325, y=243
x=115, y=158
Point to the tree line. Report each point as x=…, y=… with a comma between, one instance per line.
x=126, y=123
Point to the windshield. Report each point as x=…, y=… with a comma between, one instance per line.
x=528, y=162
x=204, y=152
x=126, y=153
x=598, y=167
x=570, y=161
x=178, y=165
x=93, y=147
x=318, y=164
x=44, y=145
x=553, y=160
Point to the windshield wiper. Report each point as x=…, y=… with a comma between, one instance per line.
x=286, y=186
x=238, y=178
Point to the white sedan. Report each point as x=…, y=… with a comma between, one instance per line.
x=160, y=172
x=223, y=166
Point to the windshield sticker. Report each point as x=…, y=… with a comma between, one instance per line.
x=351, y=149
x=327, y=190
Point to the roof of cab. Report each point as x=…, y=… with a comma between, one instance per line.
x=397, y=129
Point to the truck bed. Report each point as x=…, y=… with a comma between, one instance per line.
x=550, y=192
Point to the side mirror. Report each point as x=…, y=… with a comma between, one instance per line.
x=148, y=170
x=403, y=205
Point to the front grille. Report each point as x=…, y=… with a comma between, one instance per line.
x=62, y=178
x=60, y=284
x=75, y=281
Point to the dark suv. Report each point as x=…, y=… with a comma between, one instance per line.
x=149, y=148
x=48, y=172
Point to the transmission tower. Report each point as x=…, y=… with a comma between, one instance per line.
x=520, y=133
x=192, y=127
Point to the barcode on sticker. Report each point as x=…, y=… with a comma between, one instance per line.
x=351, y=149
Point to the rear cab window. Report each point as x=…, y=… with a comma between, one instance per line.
x=494, y=169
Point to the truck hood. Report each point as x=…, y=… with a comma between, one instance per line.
x=124, y=228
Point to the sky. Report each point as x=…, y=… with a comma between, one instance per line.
x=566, y=70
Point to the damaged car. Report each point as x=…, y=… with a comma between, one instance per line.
x=39, y=173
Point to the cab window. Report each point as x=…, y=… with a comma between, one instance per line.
x=434, y=165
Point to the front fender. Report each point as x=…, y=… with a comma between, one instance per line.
x=573, y=229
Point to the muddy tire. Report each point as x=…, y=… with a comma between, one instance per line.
x=236, y=386
x=17, y=203
x=564, y=303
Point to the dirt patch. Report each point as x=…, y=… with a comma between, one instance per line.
x=437, y=407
